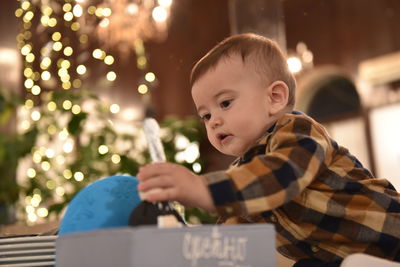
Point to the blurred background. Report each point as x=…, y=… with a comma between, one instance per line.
x=78, y=76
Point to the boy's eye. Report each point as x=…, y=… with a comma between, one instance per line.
x=206, y=117
x=226, y=103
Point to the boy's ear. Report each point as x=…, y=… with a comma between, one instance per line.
x=278, y=96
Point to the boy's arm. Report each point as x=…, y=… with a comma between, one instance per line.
x=296, y=153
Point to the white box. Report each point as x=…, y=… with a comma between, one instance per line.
x=250, y=245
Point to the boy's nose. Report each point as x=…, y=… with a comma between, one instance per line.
x=216, y=121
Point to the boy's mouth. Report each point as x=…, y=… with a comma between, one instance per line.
x=223, y=137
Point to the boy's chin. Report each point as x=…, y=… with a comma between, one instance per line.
x=230, y=152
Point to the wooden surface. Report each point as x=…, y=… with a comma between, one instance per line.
x=23, y=229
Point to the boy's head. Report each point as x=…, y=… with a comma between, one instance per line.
x=240, y=88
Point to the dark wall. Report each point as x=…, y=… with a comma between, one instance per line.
x=338, y=32
x=8, y=24
x=9, y=66
x=9, y=29
x=196, y=26
x=343, y=32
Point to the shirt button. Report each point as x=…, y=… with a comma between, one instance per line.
x=273, y=218
x=314, y=249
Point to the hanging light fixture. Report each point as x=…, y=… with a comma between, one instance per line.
x=121, y=23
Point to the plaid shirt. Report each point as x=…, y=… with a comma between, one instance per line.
x=323, y=202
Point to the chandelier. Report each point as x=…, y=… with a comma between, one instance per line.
x=120, y=24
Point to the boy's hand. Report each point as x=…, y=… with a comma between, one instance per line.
x=177, y=183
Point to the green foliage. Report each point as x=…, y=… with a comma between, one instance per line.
x=12, y=148
x=199, y=216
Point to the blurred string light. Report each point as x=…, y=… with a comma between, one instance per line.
x=56, y=63
x=189, y=152
x=301, y=59
x=124, y=25
x=120, y=23
x=50, y=64
x=294, y=64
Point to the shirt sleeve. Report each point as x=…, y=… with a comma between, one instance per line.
x=295, y=153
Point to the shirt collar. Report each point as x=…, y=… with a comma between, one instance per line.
x=259, y=147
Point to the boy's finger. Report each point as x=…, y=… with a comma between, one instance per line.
x=145, y=195
x=153, y=169
x=158, y=181
x=166, y=194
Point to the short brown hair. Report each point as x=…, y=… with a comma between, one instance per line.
x=268, y=58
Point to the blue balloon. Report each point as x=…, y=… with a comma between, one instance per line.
x=105, y=203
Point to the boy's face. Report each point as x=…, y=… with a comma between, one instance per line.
x=234, y=104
